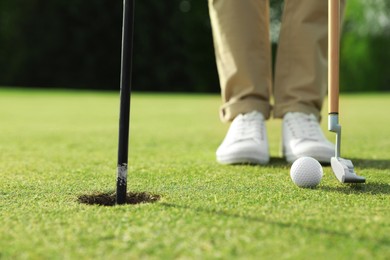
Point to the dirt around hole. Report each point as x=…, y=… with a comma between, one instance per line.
x=109, y=198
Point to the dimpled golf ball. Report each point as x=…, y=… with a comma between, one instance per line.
x=306, y=172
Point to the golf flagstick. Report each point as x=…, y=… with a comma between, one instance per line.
x=125, y=92
x=342, y=168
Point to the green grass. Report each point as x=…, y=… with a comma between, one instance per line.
x=58, y=145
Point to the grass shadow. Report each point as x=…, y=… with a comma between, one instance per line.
x=346, y=235
x=278, y=162
x=274, y=162
x=373, y=188
x=109, y=198
x=380, y=164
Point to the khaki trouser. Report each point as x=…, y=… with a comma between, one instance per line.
x=243, y=54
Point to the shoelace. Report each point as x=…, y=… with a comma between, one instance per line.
x=304, y=127
x=248, y=126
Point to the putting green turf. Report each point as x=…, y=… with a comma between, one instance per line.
x=56, y=146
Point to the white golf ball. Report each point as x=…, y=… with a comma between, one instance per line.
x=306, y=172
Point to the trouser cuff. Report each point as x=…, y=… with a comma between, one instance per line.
x=280, y=111
x=230, y=110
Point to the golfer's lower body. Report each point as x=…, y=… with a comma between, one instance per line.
x=243, y=55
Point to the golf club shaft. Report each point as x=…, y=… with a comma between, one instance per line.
x=342, y=168
x=333, y=55
x=125, y=99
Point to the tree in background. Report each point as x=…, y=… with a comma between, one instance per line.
x=72, y=43
x=61, y=43
x=365, y=49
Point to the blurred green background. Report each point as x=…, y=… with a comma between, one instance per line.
x=76, y=44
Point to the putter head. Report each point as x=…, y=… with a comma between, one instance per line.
x=343, y=169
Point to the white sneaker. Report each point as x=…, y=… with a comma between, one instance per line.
x=302, y=136
x=246, y=141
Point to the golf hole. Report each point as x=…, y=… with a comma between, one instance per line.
x=109, y=199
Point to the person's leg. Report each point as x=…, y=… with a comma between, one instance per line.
x=242, y=49
x=301, y=65
x=301, y=79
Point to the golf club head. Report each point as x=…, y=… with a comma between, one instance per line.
x=343, y=169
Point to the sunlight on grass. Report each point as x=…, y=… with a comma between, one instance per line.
x=59, y=146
